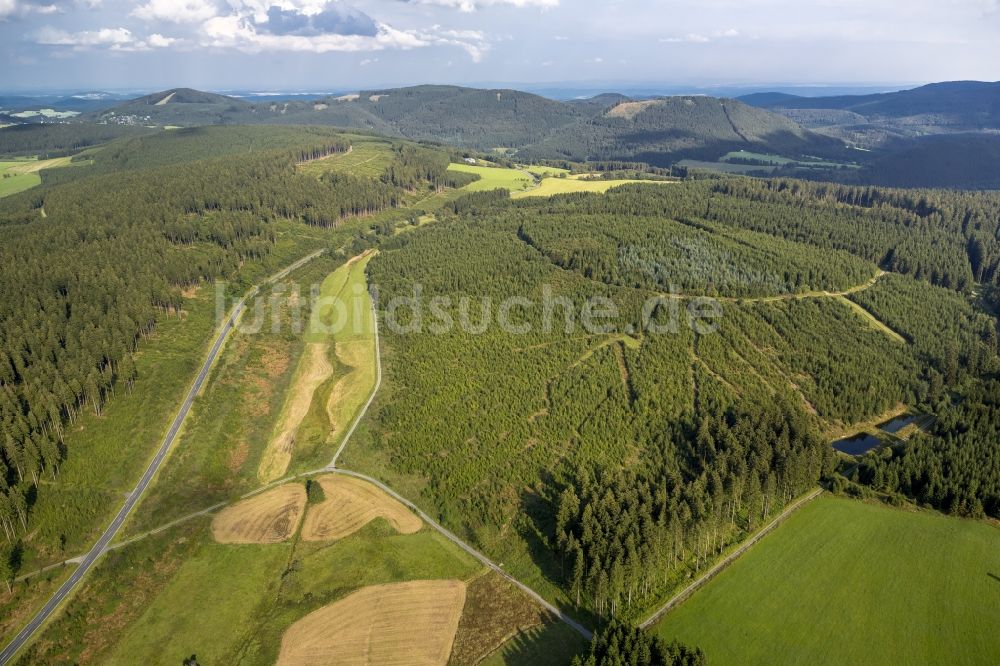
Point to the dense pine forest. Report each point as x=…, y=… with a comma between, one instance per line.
x=625, y=459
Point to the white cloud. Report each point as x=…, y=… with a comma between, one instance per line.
x=698, y=38
x=113, y=39
x=176, y=11
x=240, y=33
x=473, y=5
x=158, y=41
x=85, y=38
x=20, y=8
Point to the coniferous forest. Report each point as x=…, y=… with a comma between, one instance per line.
x=614, y=463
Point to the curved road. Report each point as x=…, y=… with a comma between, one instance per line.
x=88, y=560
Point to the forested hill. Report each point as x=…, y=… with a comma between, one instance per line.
x=662, y=131
x=962, y=104
x=606, y=127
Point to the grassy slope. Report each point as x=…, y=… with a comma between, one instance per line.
x=493, y=178
x=19, y=175
x=846, y=582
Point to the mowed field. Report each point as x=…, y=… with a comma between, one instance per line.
x=552, y=186
x=401, y=623
x=846, y=582
x=349, y=505
x=19, y=175
x=495, y=178
x=270, y=517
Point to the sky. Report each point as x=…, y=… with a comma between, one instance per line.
x=339, y=45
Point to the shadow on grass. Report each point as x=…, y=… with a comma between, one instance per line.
x=553, y=643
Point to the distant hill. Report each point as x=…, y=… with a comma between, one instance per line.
x=955, y=105
x=965, y=161
x=180, y=106
x=662, y=131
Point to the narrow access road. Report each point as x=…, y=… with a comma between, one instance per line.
x=332, y=467
x=579, y=628
x=729, y=559
x=88, y=560
x=792, y=296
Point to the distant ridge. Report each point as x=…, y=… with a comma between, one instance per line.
x=608, y=126
x=960, y=104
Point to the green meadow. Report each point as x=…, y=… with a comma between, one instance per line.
x=495, y=178
x=844, y=582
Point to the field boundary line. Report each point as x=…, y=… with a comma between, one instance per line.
x=718, y=567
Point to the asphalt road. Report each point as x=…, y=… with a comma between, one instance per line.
x=102, y=544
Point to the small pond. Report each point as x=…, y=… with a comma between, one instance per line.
x=858, y=444
x=898, y=423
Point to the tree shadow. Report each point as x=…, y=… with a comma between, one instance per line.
x=993, y=576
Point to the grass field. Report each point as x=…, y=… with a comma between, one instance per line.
x=19, y=175
x=367, y=158
x=218, y=452
x=495, y=178
x=552, y=186
x=846, y=582
x=344, y=321
x=106, y=453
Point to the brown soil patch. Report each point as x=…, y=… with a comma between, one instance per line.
x=495, y=611
x=407, y=624
x=351, y=504
x=314, y=369
x=238, y=456
x=630, y=110
x=191, y=291
x=270, y=517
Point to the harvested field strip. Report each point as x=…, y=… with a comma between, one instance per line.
x=351, y=504
x=270, y=517
x=314, y=369
x=401, y=623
